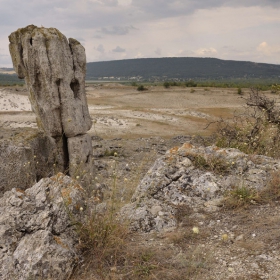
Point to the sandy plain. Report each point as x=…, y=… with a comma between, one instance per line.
x=122, y=111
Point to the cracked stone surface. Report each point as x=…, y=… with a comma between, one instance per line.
x=176, y=180
x=37, y=238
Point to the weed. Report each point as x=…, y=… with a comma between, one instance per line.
x=110, y=153
x=212, y=163
x=272, y=191
x=241, y=196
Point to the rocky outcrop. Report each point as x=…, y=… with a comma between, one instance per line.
x=54, y=70
x=195, y=177
x=37, y=236
x=29, y=159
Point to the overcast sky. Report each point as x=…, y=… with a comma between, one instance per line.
x=121, y=29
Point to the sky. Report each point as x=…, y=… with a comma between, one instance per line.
x=246, y=30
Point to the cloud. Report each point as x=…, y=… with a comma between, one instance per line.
x=117, y=30
x=268, y=50
x=158, y=51
x=205, y=52
x=124, y=2
x=100, y=48
x=118, y=49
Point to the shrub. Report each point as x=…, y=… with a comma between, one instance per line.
x=256, y=131
x=239, y=91
x=240, y=197
x=166, y=84
x=141, y=88
x=190, y=83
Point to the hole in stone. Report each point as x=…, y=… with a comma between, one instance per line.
x=75, y=86
x=31, y=40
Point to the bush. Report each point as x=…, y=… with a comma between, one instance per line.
x=166, y=84
x=256, y=131
x=239, y=91
x=141, y=88
x=190, y=83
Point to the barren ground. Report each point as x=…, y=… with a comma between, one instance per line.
x=140, y=126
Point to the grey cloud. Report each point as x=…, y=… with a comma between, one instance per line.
x=80, y=39
x=117, y=30
x=109, y=2
x=163, y=8
x=100, y=48
x=97, y=36
x=158, y=51
x=118, y=49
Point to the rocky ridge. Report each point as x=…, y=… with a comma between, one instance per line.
x=195, y=177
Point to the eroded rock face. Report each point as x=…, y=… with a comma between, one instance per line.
x=37, y=237
x=54, y=70
x=179, y=178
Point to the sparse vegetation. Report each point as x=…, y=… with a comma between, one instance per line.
x=190, y=83
x=212, y=163
x=256, y=131
x=241, y=196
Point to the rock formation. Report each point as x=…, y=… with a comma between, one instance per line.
x=37, y=240
x=195, y=177
x=54, y=70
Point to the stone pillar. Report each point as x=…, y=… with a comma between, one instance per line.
x=54, y=70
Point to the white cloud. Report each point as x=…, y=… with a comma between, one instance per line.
x=206, y=52
x=267, y=49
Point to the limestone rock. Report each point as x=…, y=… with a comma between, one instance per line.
x=80, y=160
x=176, y=180
x=37, y=237
x=17, y=168
x=25, y=163
x=54, y=70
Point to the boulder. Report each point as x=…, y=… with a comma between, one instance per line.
x=37, y=234
x=54, y=70
x=26, y=161
x=195, y=178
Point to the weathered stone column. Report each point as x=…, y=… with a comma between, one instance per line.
x=54, y=70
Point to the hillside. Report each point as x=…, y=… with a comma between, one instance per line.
x=182, y=68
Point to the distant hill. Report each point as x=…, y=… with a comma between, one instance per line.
x=182, y=68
